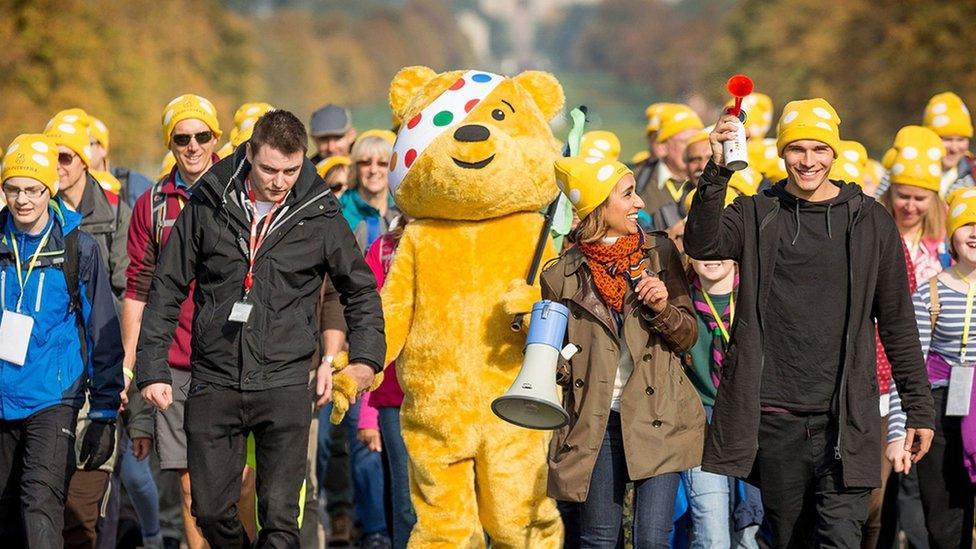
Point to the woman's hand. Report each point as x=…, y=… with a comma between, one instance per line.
x=652, y=292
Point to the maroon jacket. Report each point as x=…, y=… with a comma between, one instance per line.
x=146, y=238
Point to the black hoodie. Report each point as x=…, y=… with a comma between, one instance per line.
x=808, y=302
x=751, y=231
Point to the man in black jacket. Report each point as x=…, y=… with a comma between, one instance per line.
x=819, y=263
x=258, y=236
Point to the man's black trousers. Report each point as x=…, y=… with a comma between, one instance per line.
x=803, y=492
x=37, y=458
x=218, y=421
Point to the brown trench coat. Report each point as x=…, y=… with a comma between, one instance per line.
x=663, y=422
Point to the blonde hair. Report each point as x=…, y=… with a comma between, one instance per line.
x=367, y=147
x=934, y=221
x=593, y=227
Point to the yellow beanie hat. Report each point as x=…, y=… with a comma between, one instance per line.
x=186, y=107
x=107, y=181
x=169, y=161
x=600, y=144
x=745, y=182
x=916, y=158
x=653, y=114
x=250, y=110
x=962, y=209
x=228, y=148
x=851, y=163
x=759, y=114
x=70, y=128
x=99, y=132
x=35, y=156
x=323, y=167
x=730, y=196
x=873, y=172
x=698, y=137
x=639, y=157
x=676, y=119
x=946, y=115
x=385, y=134
x=812, y=119
x=588, y=181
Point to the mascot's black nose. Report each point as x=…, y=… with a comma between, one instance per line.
x=472, y=133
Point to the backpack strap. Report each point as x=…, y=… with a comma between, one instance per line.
x=70, y=268
x=934, y=306
x=157, y=199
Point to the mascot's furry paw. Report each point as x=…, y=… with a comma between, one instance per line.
x=520, y=297
x=344, y=388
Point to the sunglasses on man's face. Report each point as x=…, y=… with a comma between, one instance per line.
x=183, y=139
x=65, y=159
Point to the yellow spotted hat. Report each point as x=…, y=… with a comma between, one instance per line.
x=745, y=182
x=323, y=167
x=600, y=144
x=107, y=181
x=812, y=119
x=167, y=165
x=587, y=182
x=228, y=148
x=698, y=137
x=99, y=132
x=187, y=107
x=653, y=114
x=385, y=134
x=71, y=128
x=676, y=118
x=962, y=209
x=874, y=172
x=35, y=156
x=759, y=114
x=244, y=120
x=851, y=163
x=730, y=196
x=254, y=110
x=916, y=158
x=946, y=115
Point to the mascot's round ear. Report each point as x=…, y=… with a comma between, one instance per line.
x=545, y=91
x=406, y=84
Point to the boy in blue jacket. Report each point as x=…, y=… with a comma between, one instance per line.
x=59, y=337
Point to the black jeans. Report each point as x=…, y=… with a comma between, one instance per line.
x=803, y=491
x=218, y=420
x=37, y=458
x=947, y=494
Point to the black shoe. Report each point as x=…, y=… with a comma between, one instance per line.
x=375, y=541
x=171, y=543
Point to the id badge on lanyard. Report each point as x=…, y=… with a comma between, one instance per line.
x=241, y=311
x=16, y=328
x=961, y=377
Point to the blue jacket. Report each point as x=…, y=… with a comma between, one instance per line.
x=365, y=221
x=54, y=372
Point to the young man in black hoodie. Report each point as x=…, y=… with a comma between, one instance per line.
x=820, y=264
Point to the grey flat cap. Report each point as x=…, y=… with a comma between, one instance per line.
x=330, y=120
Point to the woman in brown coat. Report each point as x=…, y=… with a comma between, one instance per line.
x=634, y=416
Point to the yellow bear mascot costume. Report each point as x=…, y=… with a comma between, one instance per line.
x=473, y=167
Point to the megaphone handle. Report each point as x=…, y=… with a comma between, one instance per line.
x=517, y=322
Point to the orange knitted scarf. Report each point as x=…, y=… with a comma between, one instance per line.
x=615, y=266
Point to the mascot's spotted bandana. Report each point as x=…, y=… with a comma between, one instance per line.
x=616, y=266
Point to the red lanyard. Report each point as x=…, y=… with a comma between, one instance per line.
x=256, y=240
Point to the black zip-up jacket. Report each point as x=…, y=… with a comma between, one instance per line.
x=749, y=231
x=307, y=240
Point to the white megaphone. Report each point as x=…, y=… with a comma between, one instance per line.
x=532, y=401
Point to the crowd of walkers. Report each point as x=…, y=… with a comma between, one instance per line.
x=813, y=313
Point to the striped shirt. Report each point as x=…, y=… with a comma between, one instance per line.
x=945, y=340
